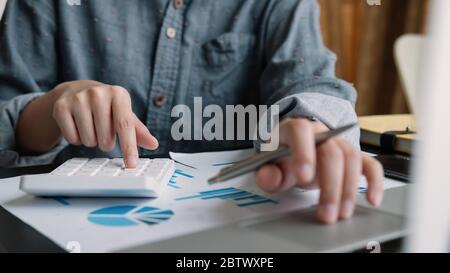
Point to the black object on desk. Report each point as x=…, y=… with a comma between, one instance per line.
x=396, y=166
x=15, y=235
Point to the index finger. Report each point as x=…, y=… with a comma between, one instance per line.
x=373, y=171
x=300, y=137
x=124, y=127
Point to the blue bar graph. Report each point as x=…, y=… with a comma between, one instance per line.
x=240, y=197
x=173, y=182
x=182, y=173
x=362, y=189
x=62, y=201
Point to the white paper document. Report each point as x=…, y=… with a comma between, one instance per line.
x=189, y=204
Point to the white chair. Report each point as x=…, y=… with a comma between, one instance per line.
x=2, y=7
x=407, y=54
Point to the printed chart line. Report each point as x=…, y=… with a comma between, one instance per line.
x=225, y=164
x=62, y=201
x=240, y=197
x=186, y=165
x=173, y=182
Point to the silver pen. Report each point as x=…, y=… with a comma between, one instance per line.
x=254, y=162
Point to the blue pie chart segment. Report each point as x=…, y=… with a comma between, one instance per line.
x=129, y=215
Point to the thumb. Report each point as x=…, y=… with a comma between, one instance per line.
x=144, y=138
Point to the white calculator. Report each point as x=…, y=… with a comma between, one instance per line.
x=101, y=177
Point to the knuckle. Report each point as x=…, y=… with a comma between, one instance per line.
x=95, y=93
x=78, y=98
x=70, y=138
x=378, y=167
x=350, y=186
x=287, y=120
x=106, y=144
x=329, y=198
x=123, y=123
x=350, y=193
x=299, y=122
x=331, y=151
x=130, y=150
x=293, y=125
x=62, y=86
x=302, y=156
x=90, y=143
x=119, y=91
x=373, y=164
x=352, y=154
x=60, y=107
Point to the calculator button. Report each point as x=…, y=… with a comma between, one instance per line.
x=97, y=162
x=77, y=160
x=107, y=172
x=127, y=172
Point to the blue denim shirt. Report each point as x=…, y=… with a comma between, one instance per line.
x=166, y=53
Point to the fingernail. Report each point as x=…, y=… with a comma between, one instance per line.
x=328, y=213
x=156, y=142
x=377, y=197
x=347, y=208
x=306, y=173
x=131, y=162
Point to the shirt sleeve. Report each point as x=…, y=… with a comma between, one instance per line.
x=27, y=69
x=300, y=70
x=9, y=114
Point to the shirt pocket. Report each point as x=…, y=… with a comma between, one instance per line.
x=222, y=69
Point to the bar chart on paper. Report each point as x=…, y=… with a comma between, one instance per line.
x=174, y=181
x=240, y=197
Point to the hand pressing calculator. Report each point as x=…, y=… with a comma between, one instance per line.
x=101, y=177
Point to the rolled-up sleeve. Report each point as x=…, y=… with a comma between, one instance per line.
x=9, y=115
x=27, y=70
x=300, y=70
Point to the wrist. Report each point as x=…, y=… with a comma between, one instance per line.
x=317, y=125
x=37, y=131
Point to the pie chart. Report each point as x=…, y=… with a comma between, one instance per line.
x=129, y=215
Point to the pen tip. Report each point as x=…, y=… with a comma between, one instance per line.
x=214, y=179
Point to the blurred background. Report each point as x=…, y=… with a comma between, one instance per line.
x=363, y=37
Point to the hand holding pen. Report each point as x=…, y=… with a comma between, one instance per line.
x=334, y=166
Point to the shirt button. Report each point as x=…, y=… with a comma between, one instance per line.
x=177, y=4
x=171, y=32
x=159, y=100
